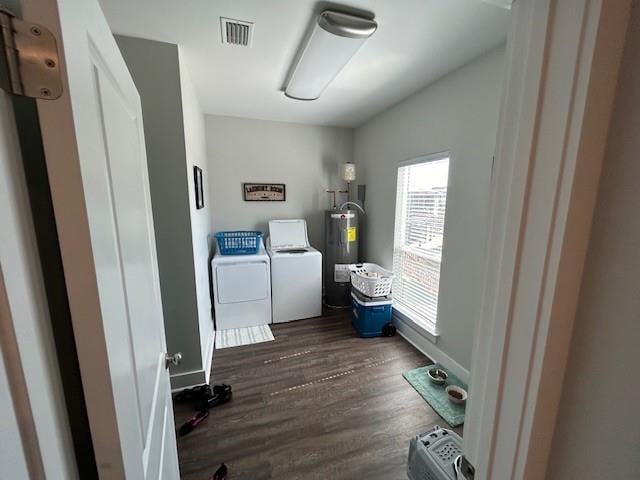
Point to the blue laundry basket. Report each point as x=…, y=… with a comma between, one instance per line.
x=239, y=242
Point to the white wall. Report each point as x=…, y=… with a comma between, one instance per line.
x=458, y=113
x=305, y=158
x=597, y=432
x=196, y=155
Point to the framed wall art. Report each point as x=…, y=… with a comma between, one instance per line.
x=264, y=192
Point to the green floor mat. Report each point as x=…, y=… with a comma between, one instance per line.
x=435, y=395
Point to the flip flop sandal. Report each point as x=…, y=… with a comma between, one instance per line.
x=193, y=394
x=188, y=426
x=220, y=389
x=215, y=400
x=220, y=474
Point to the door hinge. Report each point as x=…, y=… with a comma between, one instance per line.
x=29, y=64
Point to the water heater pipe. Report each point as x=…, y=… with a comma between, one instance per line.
x=355, y=205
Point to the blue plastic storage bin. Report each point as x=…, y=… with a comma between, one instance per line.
x=239, y=243
x=369, y=316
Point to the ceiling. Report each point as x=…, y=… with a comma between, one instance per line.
x=417, y=42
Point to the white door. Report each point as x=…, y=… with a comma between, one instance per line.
x=95, y=152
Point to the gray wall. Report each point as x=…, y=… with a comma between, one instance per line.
x=154, y=67
x=597, y=433
x=306, y=158
x=196, y=155
x=458, y=113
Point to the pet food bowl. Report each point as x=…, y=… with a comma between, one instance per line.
x=437, y=375
x=456, y=394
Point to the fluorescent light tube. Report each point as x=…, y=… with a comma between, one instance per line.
x=335, y=38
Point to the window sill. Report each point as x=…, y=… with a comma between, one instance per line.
x=429, y=332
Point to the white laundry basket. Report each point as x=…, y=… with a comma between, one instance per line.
x=370, y=279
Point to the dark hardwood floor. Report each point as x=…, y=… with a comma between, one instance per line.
x=318, y=403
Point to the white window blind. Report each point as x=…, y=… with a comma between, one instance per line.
x=417, y=251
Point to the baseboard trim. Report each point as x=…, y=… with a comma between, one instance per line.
x=183, y=380
x=423, y=344
x=180, y=381
x=208, y=360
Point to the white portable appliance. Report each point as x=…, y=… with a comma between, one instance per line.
x=436, y=455
x=296, y=272
x=242, y=289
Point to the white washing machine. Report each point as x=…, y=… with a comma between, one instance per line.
x=296, y=272
x=242, y=289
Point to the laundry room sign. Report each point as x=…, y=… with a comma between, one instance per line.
x=264, y=192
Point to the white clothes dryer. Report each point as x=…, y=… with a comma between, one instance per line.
x=242, y=289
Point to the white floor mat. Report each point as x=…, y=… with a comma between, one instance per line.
x=235, y=337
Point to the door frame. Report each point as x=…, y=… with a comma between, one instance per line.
x=68, y=197
x=36, y=383
x=562, y=62
x=70, y=213
x=563, y=58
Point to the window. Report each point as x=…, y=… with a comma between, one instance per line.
x=417, y=250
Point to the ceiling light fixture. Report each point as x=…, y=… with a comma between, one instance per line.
x=335, y=38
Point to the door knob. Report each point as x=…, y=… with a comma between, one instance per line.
x=174, y=359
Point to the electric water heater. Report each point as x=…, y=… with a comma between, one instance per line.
x=341, y=250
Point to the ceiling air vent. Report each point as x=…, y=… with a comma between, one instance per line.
x=236, y=32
